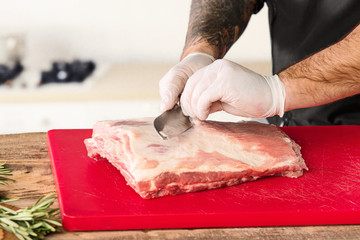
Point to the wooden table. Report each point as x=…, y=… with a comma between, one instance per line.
x=27, y=154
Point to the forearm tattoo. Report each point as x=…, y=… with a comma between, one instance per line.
x=218, y=22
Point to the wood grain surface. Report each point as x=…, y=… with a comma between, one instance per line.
x=27, y=154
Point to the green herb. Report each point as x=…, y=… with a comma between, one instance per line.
x=5, y=171
x=31, y=223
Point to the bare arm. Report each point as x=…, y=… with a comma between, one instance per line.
x=214, y=25
x=326, y=76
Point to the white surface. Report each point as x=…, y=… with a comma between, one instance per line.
x=41, y=117
x=115, y=30
x=105, y=31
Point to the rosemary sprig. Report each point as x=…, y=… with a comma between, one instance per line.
x=31, y=223
x=5, y=171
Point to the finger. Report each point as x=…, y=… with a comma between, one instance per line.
x=170, y=87
x=169, y=99
x=188, y=91
x=216, y=107
x=209, y=101
x=209, y=75
x=211, y=85
x=212, y=100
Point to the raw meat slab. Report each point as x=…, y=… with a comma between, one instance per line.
x=207, y=156
x=94, y=196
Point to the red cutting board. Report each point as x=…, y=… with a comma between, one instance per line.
x=94, y=196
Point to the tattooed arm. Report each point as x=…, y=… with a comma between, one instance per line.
x=215, y=25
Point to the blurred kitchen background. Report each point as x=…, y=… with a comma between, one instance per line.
x=69, y=63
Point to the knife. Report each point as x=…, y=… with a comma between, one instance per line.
x=172, y=123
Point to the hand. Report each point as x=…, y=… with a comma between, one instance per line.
x=173, y=83
x=225, y=85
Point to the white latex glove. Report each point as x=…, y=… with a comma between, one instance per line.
x=225, y=85
x=173, y=82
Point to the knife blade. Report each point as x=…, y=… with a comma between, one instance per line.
x=172, y=123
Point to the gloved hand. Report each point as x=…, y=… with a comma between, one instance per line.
x=225, y=85
x=173, y=83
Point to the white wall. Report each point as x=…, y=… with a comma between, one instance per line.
x=115, y=30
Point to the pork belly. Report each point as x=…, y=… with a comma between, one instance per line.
x=209, y=155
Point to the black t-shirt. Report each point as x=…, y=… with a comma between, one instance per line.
x=301, y=28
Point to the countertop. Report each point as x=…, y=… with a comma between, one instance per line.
x=27, y=154
x=116, y=81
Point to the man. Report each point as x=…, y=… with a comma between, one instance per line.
x=316, y=63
